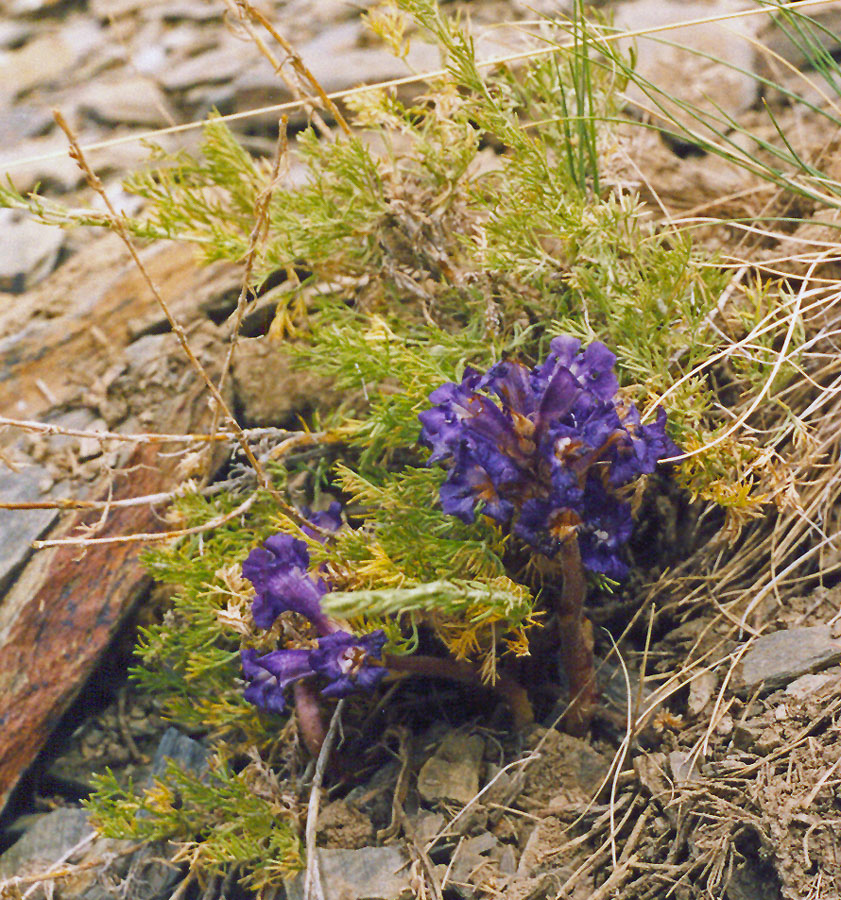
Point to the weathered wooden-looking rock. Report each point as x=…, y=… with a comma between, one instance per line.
x=64, y=605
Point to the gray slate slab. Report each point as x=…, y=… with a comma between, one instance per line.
x=775, y=660
x=20, y=527
x=372, y=873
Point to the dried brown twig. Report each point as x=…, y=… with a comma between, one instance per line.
x=50, y=428
x=150, y=536
x=257, y=236
x=244, y=11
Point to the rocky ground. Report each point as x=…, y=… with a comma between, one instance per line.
x=733, y=779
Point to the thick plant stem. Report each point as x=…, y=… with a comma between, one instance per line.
x=576, y=641
x=508, y=688
x=310, y=722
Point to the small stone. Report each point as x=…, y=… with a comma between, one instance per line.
x=268, y=390
x=372, y=873
x=43, y=61
x=684, y=71
x=684, y=767
x=131, y=101
x=566, y=769
x=777, y=659
x=341, y=825
x=180, y=749
x=50, y=168
x=768, y=741
x=20, y=527
x=212, y=66
x=452, y=773
x=23, y=121
x=28, y=7
x=29, y=251
x=91, y=447
x=724, y=726
x=746, y=734
x=807, y=684
x=507, y=860
x=701, y=690
x=14, y=33
x=471, y=860
x=428, y=825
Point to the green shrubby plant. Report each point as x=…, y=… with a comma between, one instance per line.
x=416, y=259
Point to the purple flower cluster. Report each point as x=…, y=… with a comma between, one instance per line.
x=282, y=583
x=546, y=451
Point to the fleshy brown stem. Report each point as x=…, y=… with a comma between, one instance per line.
x=508, y=688
x=576, y=641
x=308, y=712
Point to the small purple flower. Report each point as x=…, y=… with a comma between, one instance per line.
x=606, y=527
x=342, y=659
x=329, y=519
x=270, y=674
x=543, y=450
x=278, y=571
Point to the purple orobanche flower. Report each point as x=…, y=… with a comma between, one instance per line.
x=546, y=451
x=341, y=658
x=329, y=519
x=279, y=573
x=270, y=674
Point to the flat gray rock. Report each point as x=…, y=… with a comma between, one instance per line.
x=28, y=250
x=372, y=873
x=185, y=752
x=775, y=660
x=20, y=527
x=45, y=842
x=129, y=101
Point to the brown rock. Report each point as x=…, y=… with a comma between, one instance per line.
x=269, y=390
x=63, y=610
x=341, y=825
x=452, y=773
x=566, y=770
x=79, y=318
